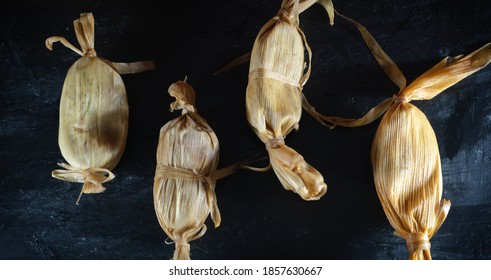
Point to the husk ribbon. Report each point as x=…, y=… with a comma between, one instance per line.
x=84, y=30
x=443, y=75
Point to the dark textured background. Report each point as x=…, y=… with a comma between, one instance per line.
x=38, y=215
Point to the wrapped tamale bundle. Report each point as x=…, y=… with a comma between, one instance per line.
x=405, y=156
x=93, y=112
x=277, y=74
x=183, y=193
x=186, y=173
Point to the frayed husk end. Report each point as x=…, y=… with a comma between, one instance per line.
x=90, y=187
x=295, y=174
x=420, y=255
x=181, y=239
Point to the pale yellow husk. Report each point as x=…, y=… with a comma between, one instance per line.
x=186, y=173
x=277, y=75
x=184, y=191
x=405, y=157
x=93, y=112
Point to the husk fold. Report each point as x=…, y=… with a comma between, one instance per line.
x=405, y=157
x=93, y=112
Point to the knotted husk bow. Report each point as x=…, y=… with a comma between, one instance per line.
x=92, y=178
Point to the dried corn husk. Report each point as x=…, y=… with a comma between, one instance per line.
x=186, y=154
x=277, y=75
x=186, y=173
x=93, y=112
x=405, y=157
x=408, y=177
x=303, y=5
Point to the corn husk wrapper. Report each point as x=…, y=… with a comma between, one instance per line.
x=187, y=147
x=277, y=74
x=93, y=112
x=186, y=173
x=408, y=177
x=303, y=5
x=405, y=157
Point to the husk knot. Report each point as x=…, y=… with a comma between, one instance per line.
x=276, y=142
x=172, y=172
x=180, y=105
x=286, y=16
x=90, y=53
x=92, y=178
x=184, y=95
x=398, y=98
x=417, y=241
x=182, y=243
x=182, y=251
x=289, y=11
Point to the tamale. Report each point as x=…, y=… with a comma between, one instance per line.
x=186, y=173
x=277, y=73
x=404, y=155
x=93, y=112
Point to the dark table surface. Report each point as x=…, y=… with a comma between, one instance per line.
x=260, y=220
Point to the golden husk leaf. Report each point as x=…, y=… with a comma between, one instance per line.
x=408, y=177
x=274, y=98
x=93, y=112
x=405, y=157
x=184, y=190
